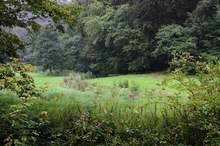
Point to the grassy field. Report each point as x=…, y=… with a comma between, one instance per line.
x=139, y=87
x=149, y=81
x=52, y=81
x=143, y=89
x=143, y=81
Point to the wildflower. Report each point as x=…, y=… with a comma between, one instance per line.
x=83, y=112
x=132, y=96
x=99, y=124
x=69, y=135
x=55, y=98
x=44, y=113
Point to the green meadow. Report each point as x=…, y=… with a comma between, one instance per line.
x=140, y=80
x=143, y=81
x=126, y=89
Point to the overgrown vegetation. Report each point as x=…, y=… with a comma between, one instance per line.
x=199, y=112
x=191, y=118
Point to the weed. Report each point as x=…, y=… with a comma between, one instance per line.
x=123, y=84
x=76, y=81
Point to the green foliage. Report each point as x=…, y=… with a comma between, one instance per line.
x=115, y=42
x=107, y=123
x=40, y=9
x=204, y=26
x=73, y=51
x=46, y=51
x=24, y=14
x=21, y=126
x=14, y=77
x=199, y=109
x=163, y=12
x=108, y=115
x=141, y=36
x=137, y=36
x=10, y=44
x=173, y=38
x=123, y=84
x=199, y=35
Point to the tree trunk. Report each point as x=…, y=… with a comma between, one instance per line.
x=51, y=72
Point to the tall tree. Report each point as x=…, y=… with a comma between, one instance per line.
x=114, y=38
x=45, y=50
x=163, y=12
x=173, y=38
x=200, y=33
x=74, y=51
x=204, y=24
x=23, y=13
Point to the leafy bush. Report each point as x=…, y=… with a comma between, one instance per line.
x=76, y=80
x=14, y=77
x=199, y=108
x=123, y=84
x=20, y=125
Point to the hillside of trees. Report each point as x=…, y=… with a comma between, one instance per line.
x=126, y=36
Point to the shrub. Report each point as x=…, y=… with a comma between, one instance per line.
x=199, y=108
x=123, y=84
x=21, y=126
x=76, y=81
x=14, y=77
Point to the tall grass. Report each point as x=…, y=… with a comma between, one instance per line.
x=107, y=123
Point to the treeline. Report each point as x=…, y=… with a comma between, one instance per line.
x=129, y=36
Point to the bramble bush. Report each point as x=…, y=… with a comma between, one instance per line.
x=199, y=106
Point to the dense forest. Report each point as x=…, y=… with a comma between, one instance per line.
x=123, y=36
